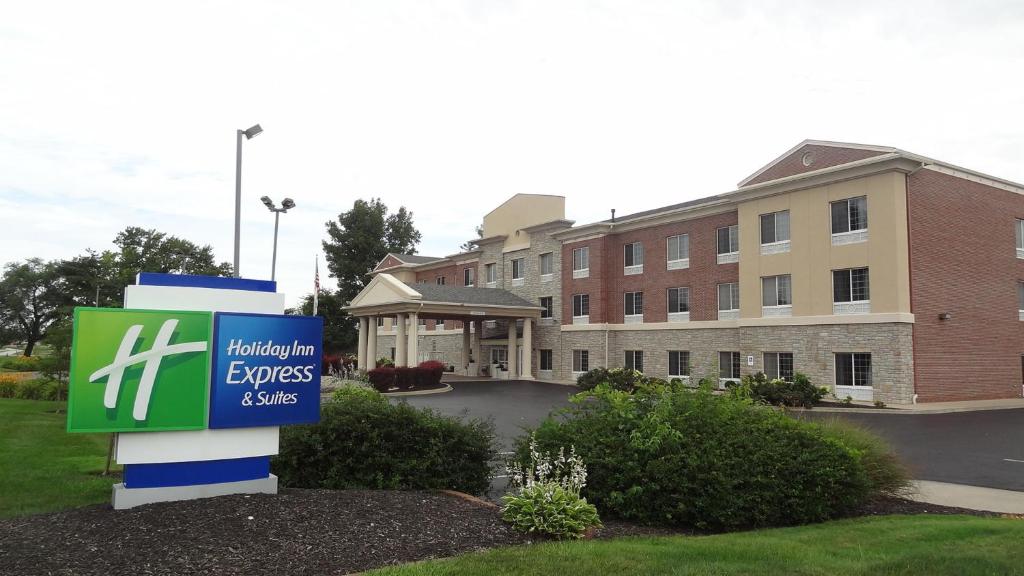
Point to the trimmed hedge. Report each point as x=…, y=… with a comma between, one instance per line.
x=699, y=460
x=364, y=441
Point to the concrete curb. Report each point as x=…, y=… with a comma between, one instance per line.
x=912, y=410
x=447, y=388
x=971, y=497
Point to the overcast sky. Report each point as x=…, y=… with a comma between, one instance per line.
x=118, y=114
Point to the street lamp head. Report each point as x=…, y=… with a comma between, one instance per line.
x=267, y=202
x=288, y=204
x=254, y=130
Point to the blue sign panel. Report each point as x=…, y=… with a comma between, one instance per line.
x=266, y=370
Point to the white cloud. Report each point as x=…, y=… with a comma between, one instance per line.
x=116, y=114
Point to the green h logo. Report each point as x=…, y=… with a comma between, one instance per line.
x=139, y=370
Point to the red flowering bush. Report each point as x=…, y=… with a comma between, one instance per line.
x=382, y=379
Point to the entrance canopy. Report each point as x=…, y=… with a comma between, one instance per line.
x=385, y=295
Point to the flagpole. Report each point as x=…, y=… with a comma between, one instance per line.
x=316, y=284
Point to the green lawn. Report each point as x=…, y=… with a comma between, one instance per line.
x=903, y=545
x=44, y=468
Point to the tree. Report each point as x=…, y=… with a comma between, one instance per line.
x=362, y=237
x=468, y=244
x=30, y=300
x=340, y=331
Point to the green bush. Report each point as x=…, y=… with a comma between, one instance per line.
x=886, y=475
x=23, y=364
x=31, y=390
x=8, y=387
x=616, y=378
x=549, y=509
x=363, y=441
x=799, y=392
x=53, y=390
x=696, y=459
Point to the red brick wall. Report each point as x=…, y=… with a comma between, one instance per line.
x=824, y=157
x=452, y=277
x=607, y=284
x=963, y=261
x=388, y=262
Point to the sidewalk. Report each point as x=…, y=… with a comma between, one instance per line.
x=973, y=497
x=928, y=408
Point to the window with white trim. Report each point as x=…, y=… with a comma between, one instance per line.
x=518, y=269
x=853, y=369
x=678, y=304
x=729, y=365
x=1020, y=300
x=678, y=363
x=581, y=360
x=728, y=301
x=547, y=264
x=580, y=305
x=633, y=306
x=633, y=258
x=851, y=291
x=775, y=227
x=440, y=280
x=499, y=355
x=580, y=262
x=1018, y=230
x=547, y=360
x=728, y=244
x=776, y=291
x=779, y=365
x=547, y=307
x=380, y=321
x=635, y=360
x=491, y=273
x=678, y=251
x=850, y=215
x=468, y=276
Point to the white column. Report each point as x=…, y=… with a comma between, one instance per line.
x=401, y=359
x=526, y=370
x=371, y=343
x=512, y=371
x=478, y=328
x=465, y=347
x=414, y=328
x=361, y=353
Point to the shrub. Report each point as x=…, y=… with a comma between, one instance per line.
x=799, y=392
x=54, y=390
x=382, y=379
x=385, y=362
x=330, y=363
x=430, y=373
x=23, y=364
x=547, y=496
x=616, y=378
x=696, y=459
x=364, y=441
x=31, y=390
x=886, y=475
x=8, y=386
x=405, y=377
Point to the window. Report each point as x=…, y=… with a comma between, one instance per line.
x=580, y=305
x=380, y=321
x=776, y=291
x=440, y=280
x=499, y=355
x=634, y=307
x=635, y=360
x=518, y=271
x=468, y=276
x=851, y=291
x=678, y=363
x=779, y=365
x=546, y=360
x=728, y=301
x=678, y=304
x=547, y=264
x=728, y=244
x=581, y=360
x=1018, y=228
x=633, y=258
x=678, y=251
x=490, y=272
x=548, y=307
x=850, y=215
x=729, y=365
x=775, y=232
x=581, y=262
x=1020, y=300
x=853, y=369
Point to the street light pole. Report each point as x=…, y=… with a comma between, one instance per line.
x=286, y=205
x=249, y=134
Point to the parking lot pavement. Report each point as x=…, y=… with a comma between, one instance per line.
x=512, y=405
x=974, y=448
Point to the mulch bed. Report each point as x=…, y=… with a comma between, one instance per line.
x=296, y=532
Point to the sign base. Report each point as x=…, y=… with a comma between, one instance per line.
x=124, y=498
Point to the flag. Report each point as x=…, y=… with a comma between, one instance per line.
x=316, y=285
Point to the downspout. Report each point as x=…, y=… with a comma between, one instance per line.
x=910, y=278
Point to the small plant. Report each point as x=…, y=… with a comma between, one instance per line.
x=23, y=364
x=8, y=386
x=879, y=404
x=547, y=499
x=848, y=401
x=31, y=390
x=385, y=362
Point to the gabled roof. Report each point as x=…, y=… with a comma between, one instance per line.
x=469, y=295
x=415, y=258
x=856, y=151
x=386, y=295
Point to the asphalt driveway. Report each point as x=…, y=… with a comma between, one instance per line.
x=976, y=448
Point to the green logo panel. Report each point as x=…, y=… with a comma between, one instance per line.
x=139, y=370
